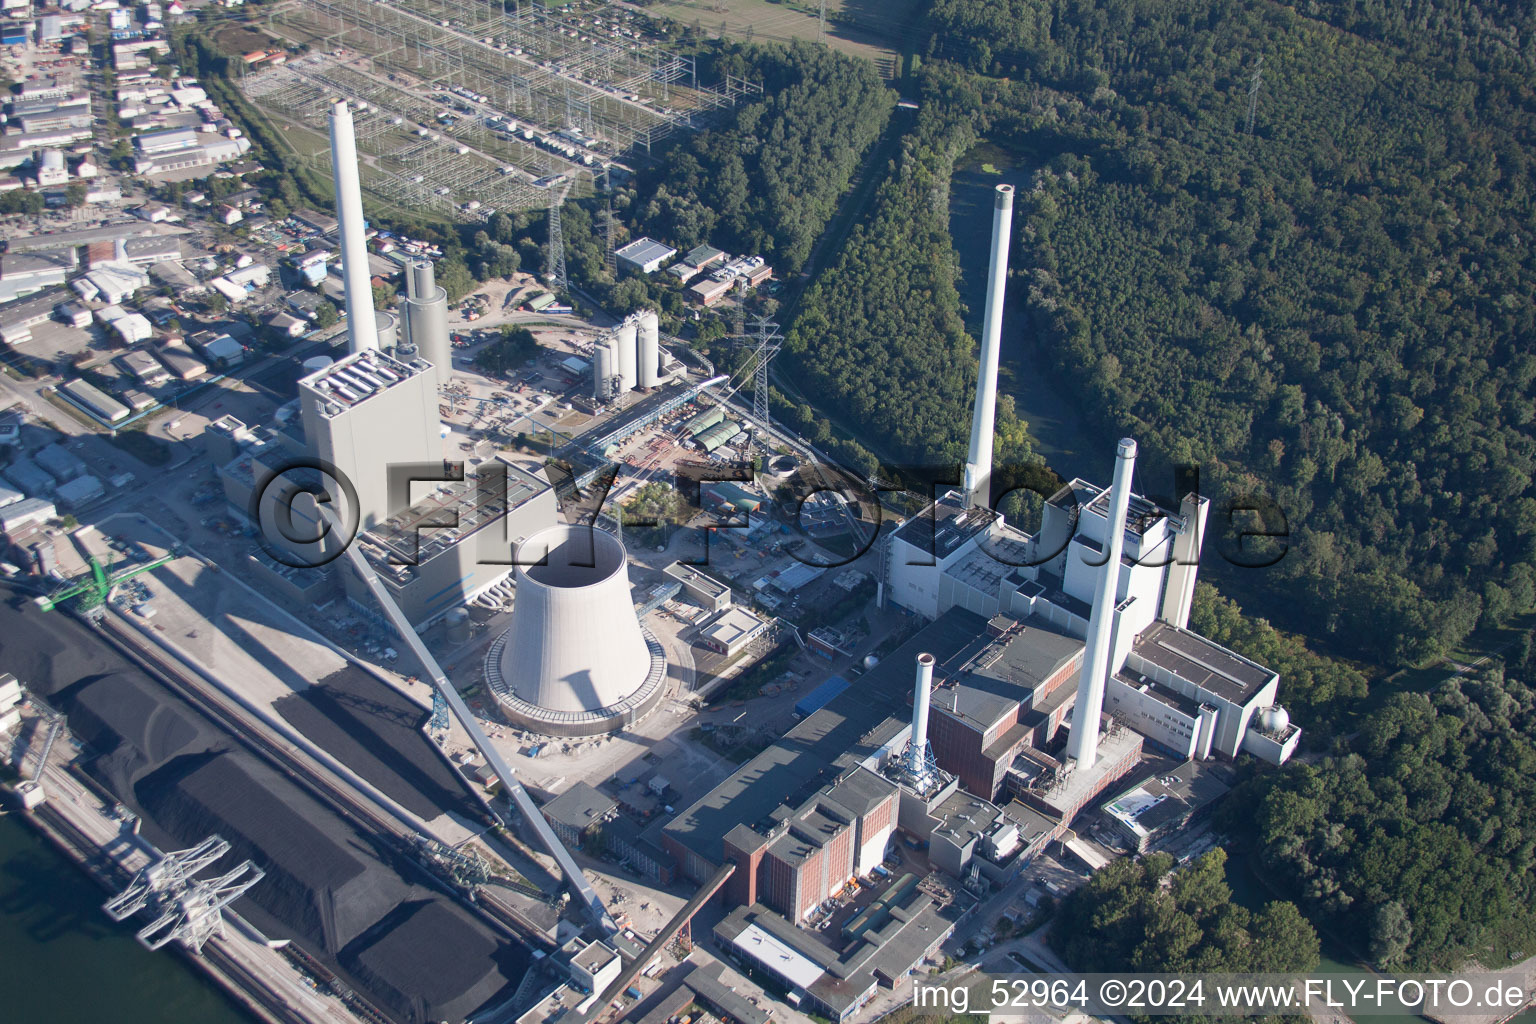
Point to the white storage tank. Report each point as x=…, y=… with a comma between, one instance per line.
x=650, y=349
x=604, y=366
x=627, y=336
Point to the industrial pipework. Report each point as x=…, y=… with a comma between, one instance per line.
x=1083, y=745
x=978, y=466
x=362, y=332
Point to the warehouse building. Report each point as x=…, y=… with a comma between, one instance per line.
x=643, y=256
x=732, y=631
x=708, y=592
x=835, y=982
x=577, y=814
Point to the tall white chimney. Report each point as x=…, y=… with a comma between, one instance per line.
x=917, y=749
x=362, y=332
x=1083, y=745
x=978, y=466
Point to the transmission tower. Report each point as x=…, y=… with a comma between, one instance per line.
x=1253, y=92
x=821, y=28
x=613, y=258
x=557, y=193
x=438, y=723
x=769, y=341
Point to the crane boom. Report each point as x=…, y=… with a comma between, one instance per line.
x=581, y=888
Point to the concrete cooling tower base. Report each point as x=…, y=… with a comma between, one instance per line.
x=552, y=722
x=575, y=661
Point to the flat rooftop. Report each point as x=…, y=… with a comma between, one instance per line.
x=1202, y=662
x=1140, y=515
x=1162, y=801
x=943, y=527
x=580, y=807
x=687, y=574
x=644, y=250
x=806, y=757
x=357, y=378
x=455, y=511
x=1006, y=672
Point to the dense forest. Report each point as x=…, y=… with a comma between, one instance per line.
x=769, y=181
x=1333, y=308
x=1144, y=916
x=880, y=337
x=1415, y=846
x=1317, y=690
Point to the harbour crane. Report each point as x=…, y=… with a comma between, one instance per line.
x=91, y=593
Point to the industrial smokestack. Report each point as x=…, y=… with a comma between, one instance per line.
x=917, y=749
x=426, y=317
x=978, y=467
x=362, y=334
x=1083, y=745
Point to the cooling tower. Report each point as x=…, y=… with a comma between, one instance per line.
x=576, y=661
x=650, y=349
x=628, y=335
x=426, y=317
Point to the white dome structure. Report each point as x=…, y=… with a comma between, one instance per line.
x=1274, y=719
x=576, y=661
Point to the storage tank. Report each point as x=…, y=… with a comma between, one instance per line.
x=387, y=327
x=604, y=366
x=576, y=661
x=426, y=317
x=649, y=372
x=458, y=626
x=628, y=332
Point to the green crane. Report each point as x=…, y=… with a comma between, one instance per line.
x=92, y=593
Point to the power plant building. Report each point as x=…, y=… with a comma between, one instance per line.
x=454, y=544
x=365, y=412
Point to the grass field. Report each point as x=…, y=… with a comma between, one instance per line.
x=863, y=28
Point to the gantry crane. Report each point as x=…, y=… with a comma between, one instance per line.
x=92, y=593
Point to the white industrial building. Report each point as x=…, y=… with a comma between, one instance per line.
x=1141, y=663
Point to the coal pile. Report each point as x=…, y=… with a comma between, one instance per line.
x=429, y=958
x=343, y=895
x=323, y=882
x=376, y=732
x=125, y=719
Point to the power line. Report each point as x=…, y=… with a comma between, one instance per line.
x=557, y=194
x=1253, y=92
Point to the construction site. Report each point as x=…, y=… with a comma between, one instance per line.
x=465, y=109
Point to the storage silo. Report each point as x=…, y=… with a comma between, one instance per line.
x=458, y=626
x=386, y=328
x=604, y=367
x=650, y=349
x=576, y=661
x=627, y=335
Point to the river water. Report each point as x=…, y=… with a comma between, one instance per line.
x=63, y=961
x=1055, y=424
